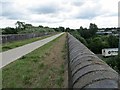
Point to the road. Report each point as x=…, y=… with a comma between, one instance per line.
x=16, y=53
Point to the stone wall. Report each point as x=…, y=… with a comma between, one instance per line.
x=16, y=37
x=86, y=70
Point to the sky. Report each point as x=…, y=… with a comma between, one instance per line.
x=55, y=13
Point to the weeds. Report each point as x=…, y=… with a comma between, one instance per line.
x=30, y=71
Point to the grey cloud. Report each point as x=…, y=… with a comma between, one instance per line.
x=89, y=13
x=45, y=9
x=46, y=21
x=13, y=15
x=10, y=12
x=77, y=3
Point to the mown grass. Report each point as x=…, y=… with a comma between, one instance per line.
x=30, y=72
x=14, y=44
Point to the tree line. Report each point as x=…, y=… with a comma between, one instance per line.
x=22, y=27
x=87, y=36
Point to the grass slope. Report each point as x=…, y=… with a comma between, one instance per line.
x=38, y=69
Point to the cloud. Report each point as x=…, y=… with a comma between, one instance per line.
x=89, y=11
x=45, y=18
x=89, y=14
x=45, y=9
x=71, y=13
x=110, y=14
x=11, y=11
x=12, y=15
x=77, y=3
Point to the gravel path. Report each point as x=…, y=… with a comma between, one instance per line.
x=14, y=54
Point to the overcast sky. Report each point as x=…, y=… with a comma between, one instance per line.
x=55, y=13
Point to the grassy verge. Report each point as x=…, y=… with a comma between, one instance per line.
x=38, y=69
x=14, y=44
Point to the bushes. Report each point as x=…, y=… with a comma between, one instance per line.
x=21, y=28
x=113, y=41
x=114, y=62
x=9, y=30
x=36, y=30
x=97, y=43
x=78, y=36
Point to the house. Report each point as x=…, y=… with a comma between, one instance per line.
x=104, y=33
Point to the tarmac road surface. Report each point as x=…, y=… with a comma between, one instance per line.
x=9, y=56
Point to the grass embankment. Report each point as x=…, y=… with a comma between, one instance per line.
x=14, y=44
x=42, y=68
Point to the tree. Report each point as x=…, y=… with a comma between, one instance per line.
x=40, y=26
x=78, y=36
x=62, y=29
x=9, y=30
x=93, y=29
x=67, y=29
x=81, y=28
x=57, y=29
x=85, y=33
x=28, y=26
x=113, y=41
x=96, y=45
x=88, y=33
x=20, y=25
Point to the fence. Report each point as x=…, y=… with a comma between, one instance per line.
x=16, y=37
x=86, y=70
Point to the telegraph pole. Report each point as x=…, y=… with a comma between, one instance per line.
x=119, y=45
x=119, y=28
